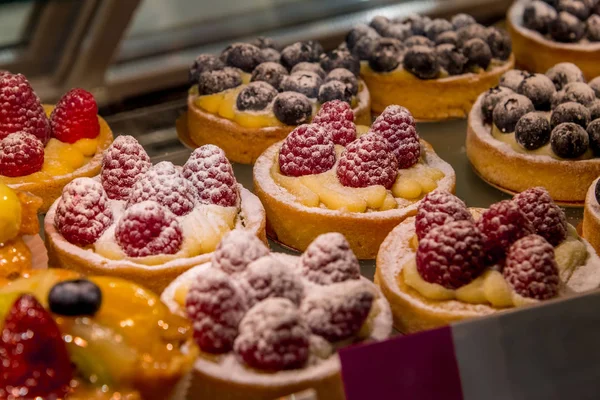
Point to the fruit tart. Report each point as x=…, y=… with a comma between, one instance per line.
x=435, y=68
x=255, y=94
x=43, y=147
x=334, y=176
x=64, y=336
x=590, y=228
x=149, y=223
x=269, y=325
x=538, y=130
x=451, y=263
x=545, y=33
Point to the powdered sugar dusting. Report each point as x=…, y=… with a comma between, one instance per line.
x=329, y=259
x=269, y=277
x=236, y=250
x=122, y=164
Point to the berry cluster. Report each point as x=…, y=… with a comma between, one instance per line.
x=565, y=21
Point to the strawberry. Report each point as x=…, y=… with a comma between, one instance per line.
x=75, y=117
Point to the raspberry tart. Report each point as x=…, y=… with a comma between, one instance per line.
x=269, y=325
x=545, y=33
x=149, y=223
x=255, y=94
x=436, y=68
x=451, y=263
x=64, y=336
x=43, y=147
x=334, y=176
x=538, y=130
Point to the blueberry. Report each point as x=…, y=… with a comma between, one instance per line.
x=334, y=90
x=451, y=59
x=379, y=23
x=499, y=42
x=418, y=41
x=416, y=22
x=358, y=32
x=308, y=51
x=566, y=28
x=398, y=31
x=570, y=112
x=269, y=72
x=563, y=73
x=469, y=32
x=539, y=89
x=538, y=15
x=512, y=79
x=345, y=76
x=592, y=28
x=436, y=27
x=212, y=82
x=292, y=108
x=263, y=42
x=462, y=20
x=594, y=110
x=386, y=55
x=422, y=62
x=569, y=140
x=448, y=37
x=595, y=85
x=340, y=59
x=574, y=7
x=311, y=67
x=533, y=130
x=491, y=98
x=75, y=297
x=478, y=53
x=509, y=110
x=256, y=96
x=204, y=63
x=305, y=82
x=593, y=130
x=244, y=56
x=579, y=92
x=270, y=54
x=364, y=47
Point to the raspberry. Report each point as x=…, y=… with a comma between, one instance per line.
x=20, y=108
x=368, y=161
x=397, y=125
x=451, y=254
x=165, y=185
x=20, y=154
x=83, y=212
x=273, y=336
x=122, y=164
x=34, y=358
x=268, y=277
x=337, y=117
x=329, y=259
x=531, y=269
x=438, y=208
x=502, y=224
x=308, y=150
x=548, y=219
x=211, y=174
x=216, y=306
x=75, y=117
x=148, y=229
x=236, y=250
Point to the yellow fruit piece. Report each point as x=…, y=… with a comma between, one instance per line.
x=181, y=294
x=374, y=195
x=407, y=189
x=389, y=203
x=432, y=291
x=246, y=77
x=293, y=185
x=56, y=168
x=496, y=289
x=434, y=173
x=473, y=292
x=193, y=90
x=10, y=214
x=210, y=102
x=427, y=184
x=71, y=157
x=332, y=194
x=250, y=120
x=227, y=108
x=87, y=147
x=361, y=130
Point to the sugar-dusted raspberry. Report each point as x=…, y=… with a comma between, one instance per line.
x=501, y=225
x=368, y=161
x=20, y=154
x=122, y=164
x=236, y=250
x=308, y=150
x=329, y=259
x=148, y=229
x=452, y=254
x=531, y=269
x=548, y=219
x=21, y=109
x=438, y=208
x=397, y=125
x=337, y=118
x=75, y=117
x=338, y=311
x=212, y=176
x=273, y=336
x=167, y=186
x=268, y=277
x=215, y=305
x=83, y=212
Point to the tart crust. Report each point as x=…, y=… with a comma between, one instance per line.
x=244, y=145
x=432, y=99
x=66, y=255
x=223, y=377
x=50, y=187
x=590, y=228
x=501, y=166
x=414, y=312
x=296, y=225
x=536, y=53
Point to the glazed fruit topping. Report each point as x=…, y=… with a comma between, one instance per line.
x=204, y=63
x=531, y=269
x=256, y=96
x=75, y=117
x=305, y=82
x=491, y=98
x=566, y=28
x=308, y=150
x=569, y=140
x=564, y=73
x=236, y=250
x=20, y=154
x=509, y=110
x=32, y=353
x=533, y=130
x=308, y=51
x=539, y=89
x=478, y=53
x=83, y=212
x=215, y=81
x=340, y=59
x=212, y=176
x=422, y=62
x=334, y=90
x=20, y=108
x=452, y=254
x=439, y=208
x=292, y=108
x=451, y=58
x=570, y=112
x=75, y=297
x=244, y=56
x=344, y=76
x=548, y=219
x=368, y=161
x=310, y=67
x=268, y=277
x=397, y=125
x=269, y=72
x=329, y=259
x=337, y=118
x=123, y=162
x=385, y=55
x=148, y=229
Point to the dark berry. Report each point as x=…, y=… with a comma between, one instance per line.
x=292, y=108
x=307, y=51
x=204, y=63
x=512, y=79
x=594, y=110
x=340, y=59
x=592, y=28
x=237, y=249
x=548, y=219
x=416, y=22
x=451, y=59
x=310, y=67
x=491, y=98
x=256, y=96
x=439, y=208
x=469, y=32
x=593, y=131
x=244, y=56
x=270, y=72
x=266, y=43
x=270, y=55
x=595, y=85
x=533, y=130
x=538, y=15
x=570, y=112
x=216, y=81
x=569, y=140
x=448, y=37
x=422, y=62
x=564, y=73
x=379, y=23
x=462, y=20
x=597, y=192
x=76, y=297
x=397, y=31
x=436, y=27
x=539, y=89
x=418, y=41
x=499, y=42
x=478, y=53
x=386, y=55
x=397, y=125
x=574, y=7
x=334, y=90
x=358, y=32
x=305, y=82
x=328, y=260
x=345, y=76
x=578, y=92
x=509, y=110
x=364, y=47
x=566, y=28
